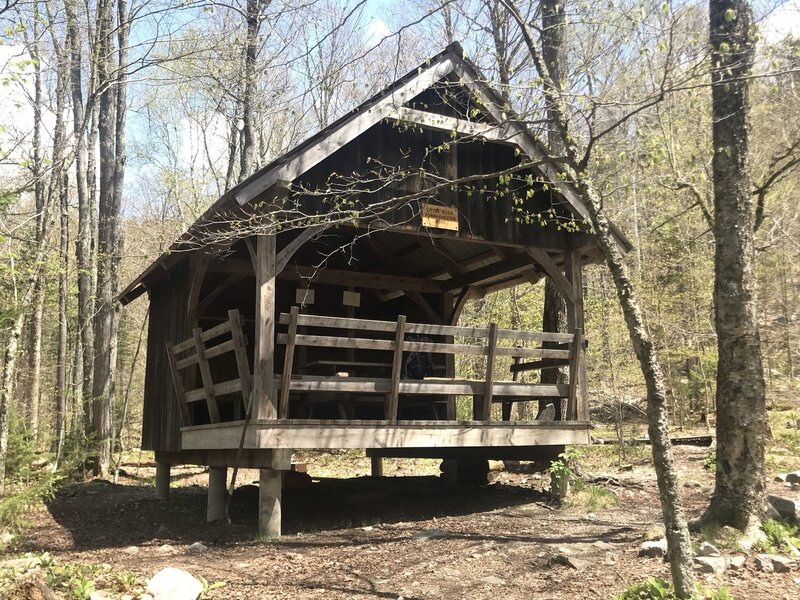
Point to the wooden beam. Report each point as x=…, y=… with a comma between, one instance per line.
x=198, y=266
x=263, y=393
x=515, y=264
x=563, y=284
x=397, y=370
x=285, y=255
x=391, y=261
x=453, y=125
x=433, y=387
x=576, y=351
x=575, y=320
x=382, y=434
x=205, y=375
x=361, y=279
x=450, y=265
x=490, y=360
x=288, y=362
x=242, y=362
x=229, y=282
x=177, y=382
x=309, y=155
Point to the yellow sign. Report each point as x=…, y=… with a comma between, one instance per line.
x=440, y=217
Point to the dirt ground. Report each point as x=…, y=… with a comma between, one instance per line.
x=352, y=536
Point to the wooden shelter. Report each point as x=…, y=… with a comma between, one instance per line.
x=325, y=291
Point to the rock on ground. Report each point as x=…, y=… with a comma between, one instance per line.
x=653, y=549
x=174, y=584
x=706, y=549
x=772, y=563
x=710, y=564
x=786, y=508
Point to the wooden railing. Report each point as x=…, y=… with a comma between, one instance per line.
x=194, y=351
x=360, y=334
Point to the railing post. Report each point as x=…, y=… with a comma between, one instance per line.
x=575, y=363
x=491, y=350
x=205, y=375
x=393, y=399
x=286, y=380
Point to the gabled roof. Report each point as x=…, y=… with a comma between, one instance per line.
x=499, y=125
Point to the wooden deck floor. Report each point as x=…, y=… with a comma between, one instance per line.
x=309, y=433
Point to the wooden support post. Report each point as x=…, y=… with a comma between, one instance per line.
x=265, y=406
x=575, y=320
x=217, y=494
x=376, y=466
x=449, y=359
x=576, y=352
x=393, y=398
x=507, y=406
x=205, y=375
x=269, y=503
x=288, y=362
x=491, y=350
x=162, y=480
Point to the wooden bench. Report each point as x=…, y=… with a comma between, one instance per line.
x=359, y=334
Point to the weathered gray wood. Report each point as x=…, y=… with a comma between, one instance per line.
x=208, y=334
x=362, y=279
x=288, y=362
x=177, y=382
x=547, y=363
x=327, y=341
x=451, y=125
x=229, y=282
x=574, y=374
x=162, y=480
x=381, y=434
x=219, y=389
x=397, y=369
x=283, y=257
x=197, y=273
x=575, y=320
x=212, y=352
x=554, y=272
x=424, y=328
x=265, y=405
x=217, y=494
x=205, y=376
x=239, y=351
x=269, y=503
x=343, y=133
x=486, y=410
x=371, y=385
x=518, y=263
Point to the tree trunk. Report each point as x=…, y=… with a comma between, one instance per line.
x=677, y=531
x=554, y=314
x=248, y=95
x=83, y=244
x=738, y=498
x=34, y=341
x=111, y=131
x=63, y=333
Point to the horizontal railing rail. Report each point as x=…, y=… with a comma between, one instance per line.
x=486, y=391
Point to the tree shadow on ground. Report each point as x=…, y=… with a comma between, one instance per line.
x=100, y=514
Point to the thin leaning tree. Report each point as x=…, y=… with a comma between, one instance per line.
x=575, y=163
